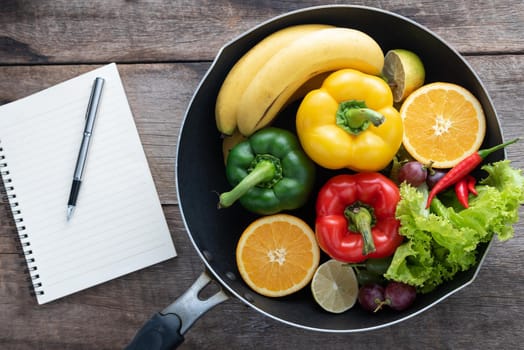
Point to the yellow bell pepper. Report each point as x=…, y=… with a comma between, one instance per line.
x=350, y=122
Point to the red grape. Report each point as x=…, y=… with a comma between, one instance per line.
x=399, y=296
x=434, y=176
x=371, y=296
x=413, y=173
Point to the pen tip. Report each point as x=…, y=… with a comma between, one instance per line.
x=69, y=212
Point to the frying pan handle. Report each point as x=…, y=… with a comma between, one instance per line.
x=166, y=329
x=161, y=332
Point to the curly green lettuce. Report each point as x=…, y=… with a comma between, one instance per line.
x=443, y=240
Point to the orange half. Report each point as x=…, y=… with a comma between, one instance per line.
x=277, y=255
x=443, y=124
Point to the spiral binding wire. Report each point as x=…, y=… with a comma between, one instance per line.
x=23, y=242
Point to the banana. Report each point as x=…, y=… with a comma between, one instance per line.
x=240, y=75
x=313, y=53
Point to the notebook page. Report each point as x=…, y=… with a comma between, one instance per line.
x=118, y=225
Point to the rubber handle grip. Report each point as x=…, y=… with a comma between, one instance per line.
x=161, y=332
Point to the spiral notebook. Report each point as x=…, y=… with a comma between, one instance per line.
x=118, y=225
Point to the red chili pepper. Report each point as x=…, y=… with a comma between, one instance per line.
x=462, y=191
x=463, y=168
x=356, y=217
x=471, y=185
x=463, y=188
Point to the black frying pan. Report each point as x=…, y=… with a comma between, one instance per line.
x=200, y=175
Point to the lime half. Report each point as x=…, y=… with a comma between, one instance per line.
x=335, y=286
x=404, y=72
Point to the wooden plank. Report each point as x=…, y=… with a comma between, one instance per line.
x=35, y=32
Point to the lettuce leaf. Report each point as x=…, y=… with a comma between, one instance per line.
x=443, y=240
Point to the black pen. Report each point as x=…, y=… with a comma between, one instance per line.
x=92, y=109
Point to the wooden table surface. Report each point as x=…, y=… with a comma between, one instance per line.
x=163, y=49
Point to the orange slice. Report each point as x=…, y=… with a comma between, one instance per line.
x=277, y=255
x=443, y=124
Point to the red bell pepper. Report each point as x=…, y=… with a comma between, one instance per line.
x=356, y=217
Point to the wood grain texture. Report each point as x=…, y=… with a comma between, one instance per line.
x=34, y=32
x=163, y=49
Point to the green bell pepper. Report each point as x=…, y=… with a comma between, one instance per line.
x=270, y=172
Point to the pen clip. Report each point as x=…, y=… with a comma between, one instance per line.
x=96, y=92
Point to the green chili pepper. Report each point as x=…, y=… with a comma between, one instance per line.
x=378, y=265
x=372, y=270
x=270, y=172
x=365, y=277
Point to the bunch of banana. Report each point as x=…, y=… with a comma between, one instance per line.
x=271, y=73
x=240, y=76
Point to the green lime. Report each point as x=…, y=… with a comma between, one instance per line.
x=404, y=72
x=335, y=286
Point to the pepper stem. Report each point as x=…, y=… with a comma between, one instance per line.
x=360, y=220
x=483, y=153
x=263, y=171
x=354, y=116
